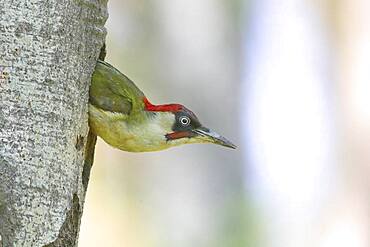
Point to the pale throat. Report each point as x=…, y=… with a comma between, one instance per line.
x=158, y=125
x=151, y=134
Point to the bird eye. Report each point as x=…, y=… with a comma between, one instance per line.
x=185, y=121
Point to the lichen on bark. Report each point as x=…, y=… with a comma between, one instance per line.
x=48, y=51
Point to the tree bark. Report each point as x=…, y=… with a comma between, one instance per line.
x=48, y=51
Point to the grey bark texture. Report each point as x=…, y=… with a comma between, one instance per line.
x=48, y=51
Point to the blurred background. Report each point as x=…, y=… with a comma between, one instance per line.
x=288, y=81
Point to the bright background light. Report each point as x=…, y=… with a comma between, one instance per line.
x=287, y=81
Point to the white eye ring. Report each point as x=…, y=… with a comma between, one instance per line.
x=185, y=121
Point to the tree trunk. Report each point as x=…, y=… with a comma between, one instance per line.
x=48, y=51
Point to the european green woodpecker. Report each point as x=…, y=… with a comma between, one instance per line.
x=124, y=118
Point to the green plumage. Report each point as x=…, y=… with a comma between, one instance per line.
x=112, y=91
x=116, y=109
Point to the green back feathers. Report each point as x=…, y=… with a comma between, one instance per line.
x=112, y=91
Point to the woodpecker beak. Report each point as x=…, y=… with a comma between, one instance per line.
x=213, y=137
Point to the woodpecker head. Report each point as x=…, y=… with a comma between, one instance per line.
x=178, y=125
